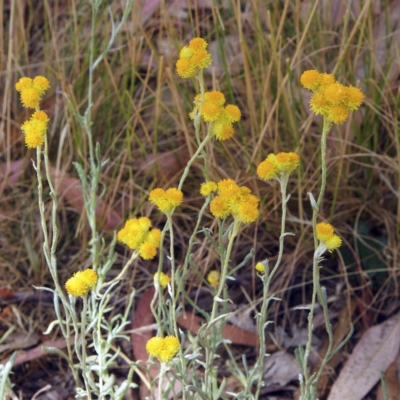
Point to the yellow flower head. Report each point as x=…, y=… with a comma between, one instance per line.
x=310, y=79
x=147, y=250
x=333, y=243
x=185, y=68
x=164, y=280
x=215, y=97
x=167, y=200
x=236, y=201
x=193, y=58
x=325, y=234
x=30, y=97
x=275, y=166
x=164, y=349
x=324, y=231
x=81, y=282
x=88, y=276
x=23, y=83
x=136, y=234
x=198, y=44
x=207, y=188
x=287, y=162
x=31, y=90
x=210, y=111
x=331, y=99
x=223, y=131
x=41, y=84
x=354, y=98
x=260, y=268
x=35, y=129
x=232, y=113
x=213, y=278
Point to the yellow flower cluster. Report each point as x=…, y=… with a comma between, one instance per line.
x=32, y=90
x=236, y=201
x=213, y=278
x=137, y=235
x=162, y=279
x=331, y=99
x=166, y=200
x=193, y=58
x=212, y=110
x=326, y=235
x=163, y=348
x=35, y=129
x=81, y=282
x=275, y=166
x=207, y=188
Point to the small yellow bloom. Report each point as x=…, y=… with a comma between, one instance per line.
x=333, y=243
x=335, y=93
x=325, y=234
x=35, y=129
x=41, y=84
x=164, y=279
x=247, y=211
x=354, y=98
x=319, y=104
x=310, y=79
x=260, y=268
x=185, y=68
x=338, y=114
x=267, y=170
x=220, y=207
x=30, y=97
x=193, y=58
x=137, y=236
x=167, y=200
x=198, y=44
x=207, y=188
x=324, y=231
x=215, y=97
x=23, y=83
x=326, y=80
x=213, y=278
x=81, y=282
x=210, y=111
x=164, y=349
x=223, y=131
x=287, y=162
x=147, y=250
x=88, y=276
x=233, y=113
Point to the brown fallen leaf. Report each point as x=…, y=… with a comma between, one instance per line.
x=70, y=189
x=392, y=383
x=375, y=351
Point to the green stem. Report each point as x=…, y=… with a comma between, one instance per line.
x=83, y=347
x=210, y=350
x=316, y=284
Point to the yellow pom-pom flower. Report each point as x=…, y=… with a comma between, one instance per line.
x=277, y=166
x=260, y=268
x=166, y=201
x=30, y=97
x=193, y=58
x=327, y=237
x=163, y=279
x=207, y=188
x=41, y=84
x=23, y=83
x=35, y=129
x=81, y=282
x=31, y=90
x=232, y=113
x=164, y=349
x=210, y=111
x=215, y=97
x=324, y=231
x=213, y=278
x=331, y=99
x=136, y=234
